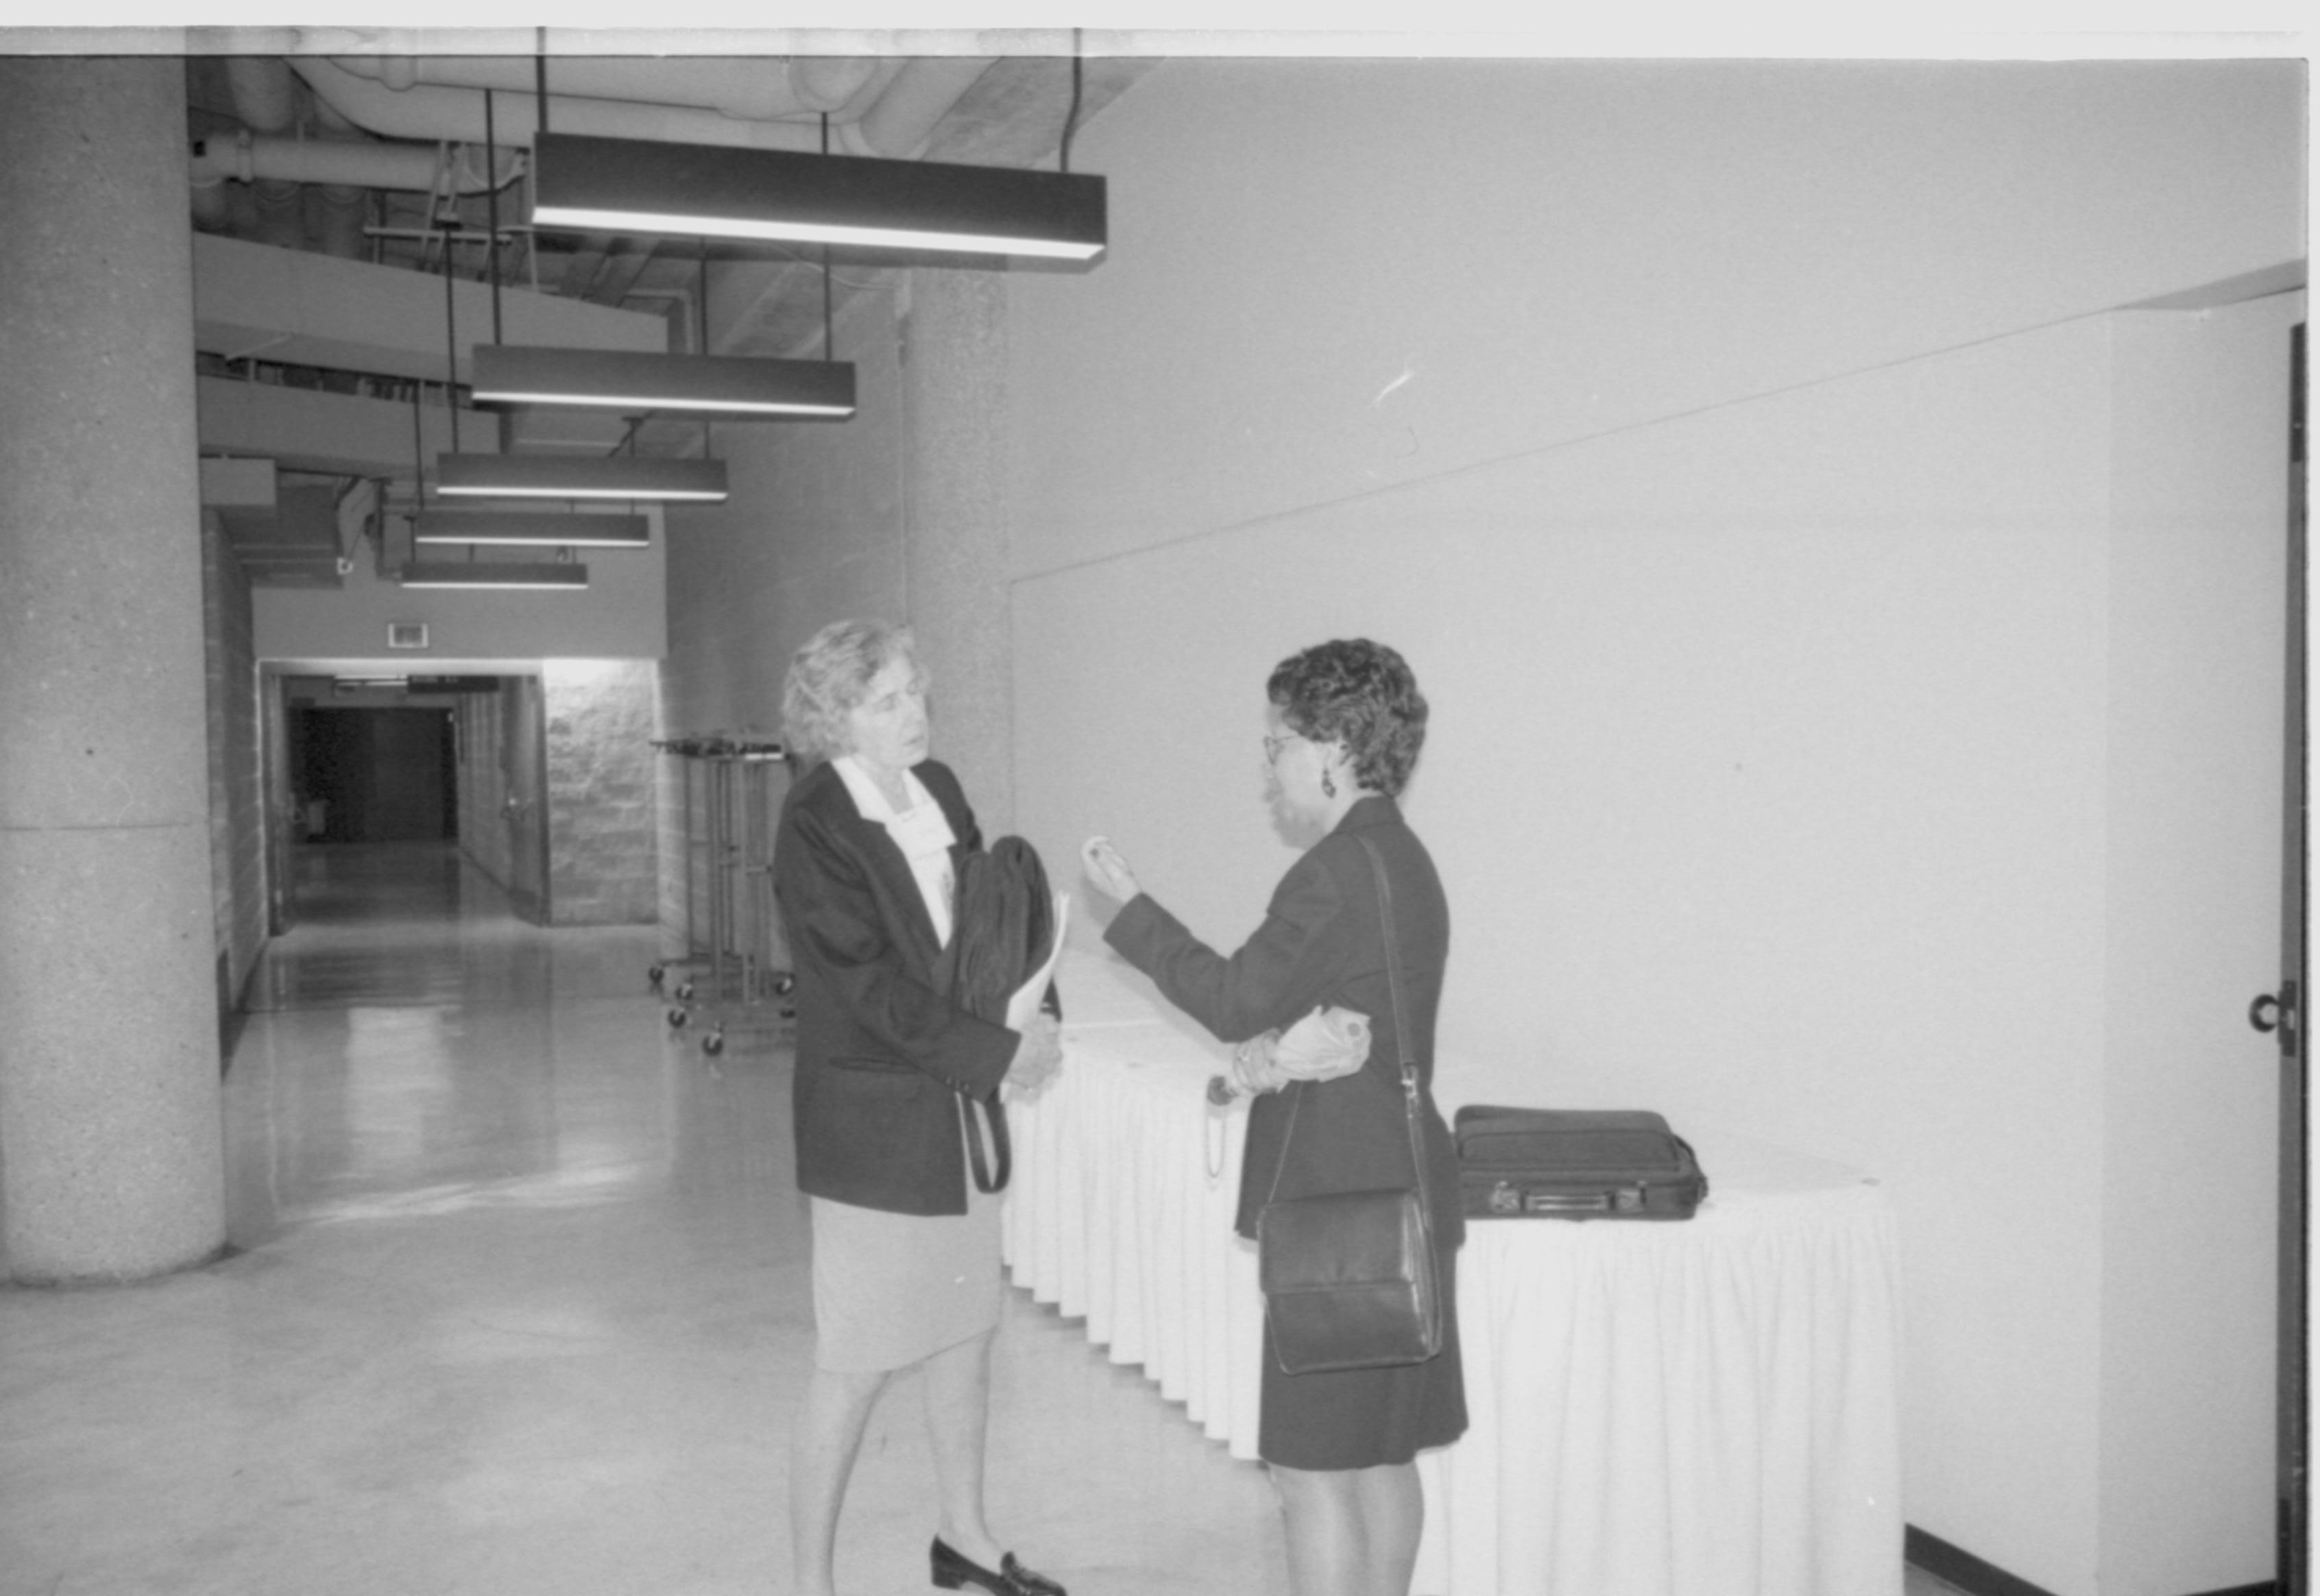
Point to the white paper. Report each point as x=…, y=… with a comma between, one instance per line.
x=1026, y=1001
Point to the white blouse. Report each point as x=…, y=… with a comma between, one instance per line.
x=921, y=831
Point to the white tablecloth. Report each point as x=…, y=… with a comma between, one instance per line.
x=1700, y=1409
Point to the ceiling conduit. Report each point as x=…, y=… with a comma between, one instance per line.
x=293, y=200
x=926, y=88
x=265, y=93
x=249, y=157
x=294, y=193
x=758, y=89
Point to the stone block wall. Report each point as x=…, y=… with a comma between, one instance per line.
x=601, y=849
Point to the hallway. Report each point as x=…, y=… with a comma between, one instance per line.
x=517, y=1302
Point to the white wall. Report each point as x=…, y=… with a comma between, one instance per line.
x=1732, y=450
x=1548, y=251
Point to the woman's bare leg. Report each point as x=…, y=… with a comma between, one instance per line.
x=829, y=1425
x=1393, y=1515
x=958, y=1418
x=1320, y=1513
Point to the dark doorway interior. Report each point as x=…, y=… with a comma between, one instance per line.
x=373, y=774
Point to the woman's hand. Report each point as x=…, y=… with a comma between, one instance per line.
x=1108, y=871
x=1038, y=1057
x=1254, y=1067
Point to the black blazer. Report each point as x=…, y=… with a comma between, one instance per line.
x=881, y=1053
x=1322, y=943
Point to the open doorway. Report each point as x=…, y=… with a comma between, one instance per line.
x=371, y=774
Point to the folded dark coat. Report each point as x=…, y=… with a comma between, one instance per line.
x=1005, y=918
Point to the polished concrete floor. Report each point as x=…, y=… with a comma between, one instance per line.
x=517, y=1302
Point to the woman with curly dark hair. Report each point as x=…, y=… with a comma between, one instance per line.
x=1346, y=725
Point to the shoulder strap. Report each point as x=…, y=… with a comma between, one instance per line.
x=1400, y=1028
x=1401, y=1043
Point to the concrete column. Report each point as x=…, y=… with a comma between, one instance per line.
x=954, y=552
x=111, y=1161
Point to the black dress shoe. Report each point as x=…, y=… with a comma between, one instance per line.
x=951, y=1571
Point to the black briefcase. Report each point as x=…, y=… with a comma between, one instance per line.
x=1574, y=1164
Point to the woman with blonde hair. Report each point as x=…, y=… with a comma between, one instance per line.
x=895, y=1093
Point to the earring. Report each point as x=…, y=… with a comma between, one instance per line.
x=1328, y=787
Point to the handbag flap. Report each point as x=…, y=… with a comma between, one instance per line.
x=1347, y=1238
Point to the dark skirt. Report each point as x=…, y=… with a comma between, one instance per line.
x=1364, y=1417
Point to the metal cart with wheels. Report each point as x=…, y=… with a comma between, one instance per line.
x=735, y=975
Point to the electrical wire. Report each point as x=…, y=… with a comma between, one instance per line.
x=1071, y=117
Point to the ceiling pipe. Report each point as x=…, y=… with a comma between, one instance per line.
x=265, y=92
x=336, y=216
x=427, y=111
x=326, y=117
x=436, y=112
x=249, y=157
x=212, y=206
x=269, y=100
x=843, y=86
x=747, y=88
x=902, y=125
x=281, y=216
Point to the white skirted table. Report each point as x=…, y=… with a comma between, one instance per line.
x=1699, y=1409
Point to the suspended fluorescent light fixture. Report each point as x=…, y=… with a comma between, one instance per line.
x=587, y=476
x=717, y=191
x=617, y=379
x=533, y=529
x=500, y=575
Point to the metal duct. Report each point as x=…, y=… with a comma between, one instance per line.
x=249, y=157
x=930, y=86
x=265, y=93
x=759, y=88
x=335, y=219
x=903, y=122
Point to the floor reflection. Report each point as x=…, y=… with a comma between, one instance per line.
x=419, y=924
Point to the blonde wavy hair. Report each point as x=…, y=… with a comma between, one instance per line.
x=832, y=674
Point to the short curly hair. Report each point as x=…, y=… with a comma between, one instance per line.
x=830, y=676
x=1361, y=694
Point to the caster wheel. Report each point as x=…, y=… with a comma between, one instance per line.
x=714, y=1043
x=677, y=1019
x=654, y=974
x=784, y=983
x=684, y=991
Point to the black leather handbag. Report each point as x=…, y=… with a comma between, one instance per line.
x=1348, y=1277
